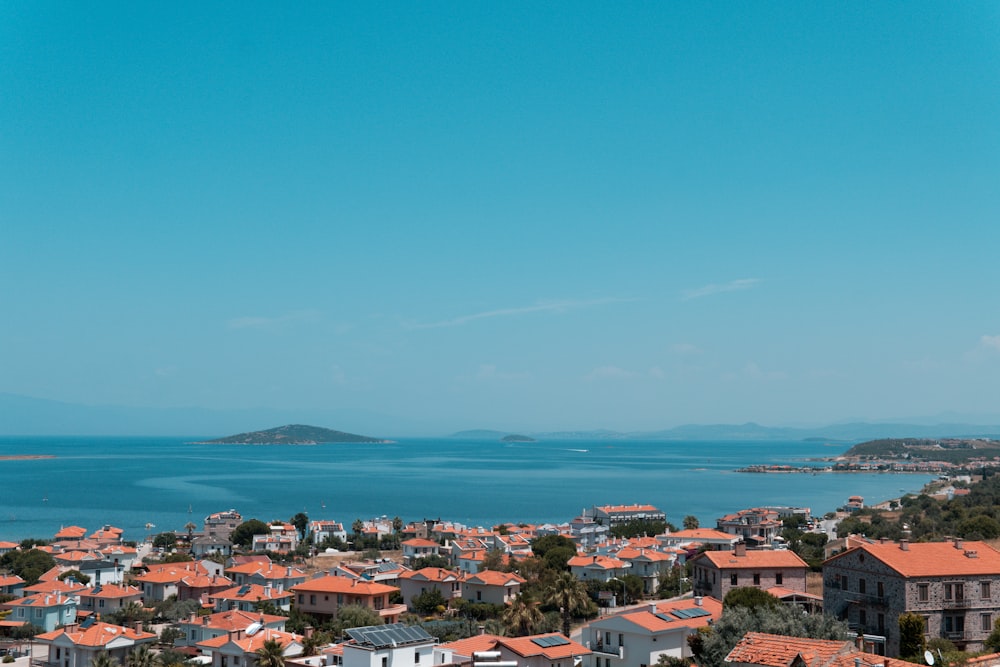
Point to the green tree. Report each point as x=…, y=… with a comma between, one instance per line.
x=570, y=596
x=493, y=560
x=434, y=560
x=301, y=522
x=165, y=541
x=76, y=574
x=29, y=565
x=104, y=659
x=554, y=550
x=242, y=535
x=355, y=616
x=141, y=656
x=911, y=637
x=690, y=522
x=522, y=617
x=190, y=527
x=397, y=524
x=748, y=596
x=270, y=654
x=428, y=602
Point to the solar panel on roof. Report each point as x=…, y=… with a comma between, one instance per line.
x=549, y=641
x=87, y=622
x=382, y=636
x=690, y=613
x=663, y=617
x=243, y=591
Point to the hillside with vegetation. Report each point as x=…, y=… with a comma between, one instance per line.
x=293, y=434
x=951, y=450
x=975, y=516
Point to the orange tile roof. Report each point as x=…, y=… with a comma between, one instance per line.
x=631, y=553
x=330, y=584
x=628, y=508
x=933, y=559
x=494, y=578
x=251, y=593
x=71, y=533
x=10, y=580
x=418, y=542
x=603, y=562
x=466, y=647
x=254, y=642
x=758, y=648
x=8, y=545
x=525, y=647
x=111, y=591
x=647, y=618
x=430, y=574
x=728, y=560
x=99, y=634
x=234, y=620
x=701, y=534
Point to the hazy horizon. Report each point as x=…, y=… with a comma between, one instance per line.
x=536, y=217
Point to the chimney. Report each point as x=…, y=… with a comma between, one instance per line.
x=970, y=553
x=204, y=620
x=308, y=631
x=740, y=549
x=138, y=626
x=70, y=627
x=904, y=545
x=697, y=600
x=958, y=542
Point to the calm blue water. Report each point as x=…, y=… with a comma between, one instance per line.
x=129, y=482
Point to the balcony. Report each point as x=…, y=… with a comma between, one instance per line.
x=955, y=636
x=607, y=650
x=960, y=603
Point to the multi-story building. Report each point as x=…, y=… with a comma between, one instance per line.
x=639, y=637
x=758, y=526
x=614, y=515
x=954, y=586
x=324, y=597
x=715, y=573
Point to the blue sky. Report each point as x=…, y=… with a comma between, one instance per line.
x=521, y=216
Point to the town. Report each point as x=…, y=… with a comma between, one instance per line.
x=617, y=586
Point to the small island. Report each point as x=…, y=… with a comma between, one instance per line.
x=514, y=437
x=294, y=434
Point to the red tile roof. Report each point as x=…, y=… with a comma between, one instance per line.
x=647, y=618
x=99, y=634
x=525, y=647
x=933, y=559
x=330, y=584
x=758, y=648
x=728, y=560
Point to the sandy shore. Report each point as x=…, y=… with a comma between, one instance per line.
x=22, y=457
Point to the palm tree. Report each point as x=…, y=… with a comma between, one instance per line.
x=522, y=616
x=570, y=595
x=140, y=657
x=271, y=654
x=104, y=659
x=190, y=528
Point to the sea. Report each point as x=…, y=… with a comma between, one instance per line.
x=157, y=484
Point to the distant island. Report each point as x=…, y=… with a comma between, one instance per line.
x=952, y=450
x=293, y=434
x=514, y=437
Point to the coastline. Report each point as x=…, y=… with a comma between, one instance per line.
x=25, y=457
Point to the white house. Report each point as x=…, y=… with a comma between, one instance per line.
x=392, y=645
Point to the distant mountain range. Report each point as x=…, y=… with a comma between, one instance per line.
x=23, y=415
x=292, y=434
x=843, y=433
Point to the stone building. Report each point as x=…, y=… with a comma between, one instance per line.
x=954, y=586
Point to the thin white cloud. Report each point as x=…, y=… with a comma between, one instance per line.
x=609, y=373
x=254, y=322
x=990, y=342
x=685, y=348
x=546, y=307
x=489, y=372
x=656, y=373
x=732, y=286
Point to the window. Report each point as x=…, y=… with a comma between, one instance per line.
x=732, y=580
x=984, y=590
x=843, y=582
x=922, y=594
x=416, y=656
x=777, y=578
x=954, y=591
x=302, y=598
x=954, y=624
x=862, y=617
x=985, y=622
x=312, y=599
x=880, y=589
x=756, y=578
x=862, y=585
x=479, y=595
x=236, y=660
x=385, y=661
x=881, y=624
x=621, y=639
x=607, y=638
